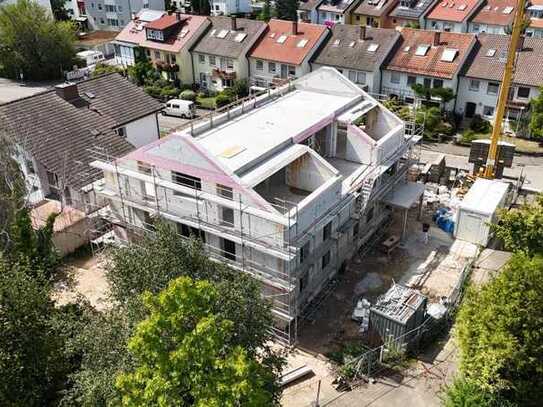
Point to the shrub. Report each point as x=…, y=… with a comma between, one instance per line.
x=169, y=92
x=467, y=137
x=241, y=88
x=223, y=99
x=188, y=95
x=480, y=125
x=152, y=90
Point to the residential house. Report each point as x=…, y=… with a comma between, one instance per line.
x=480, y=82
x=113, y=15
x=374, y=13
x=411, y=13
x=307, y=10
x=230, y=7
x=358, y=52
x=430, y=58
x=168, y=41
x=534, y=12
x=127, y=43
x=495, y=17
x=285, y=188
x=331, y=12
x=53, y=132
x=452, y=16
x=220, y=56
x=284, y=51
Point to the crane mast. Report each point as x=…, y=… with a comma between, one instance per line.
x=507, y=78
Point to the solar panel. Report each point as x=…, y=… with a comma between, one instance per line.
x=449, y=54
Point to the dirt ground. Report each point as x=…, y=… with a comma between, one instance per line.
x=83, y=276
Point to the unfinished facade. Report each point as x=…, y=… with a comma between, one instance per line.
x=285, y=187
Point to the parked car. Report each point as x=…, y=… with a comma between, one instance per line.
x=180, y=108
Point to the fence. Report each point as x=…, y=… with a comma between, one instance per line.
x=393, y=350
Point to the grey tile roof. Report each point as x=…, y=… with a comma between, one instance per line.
x=59, y=134
x=528, y=71
x=357, y=56
x=308, y=5
x=211, y=44
x=415, y=12
x=118, y=98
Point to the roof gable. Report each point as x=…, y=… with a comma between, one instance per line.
x=453, y=10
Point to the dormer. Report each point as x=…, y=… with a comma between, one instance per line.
x=163, y=28
x=408, y=3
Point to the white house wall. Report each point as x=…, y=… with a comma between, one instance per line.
x=142, y=131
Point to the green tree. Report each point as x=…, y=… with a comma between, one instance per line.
x=286, y=9
x=536, y=116
x=142, y=71
x=185, y=355
x=522, y=229
x=466, y=393
x=200, y=7
x=266, y=12
x=33, y=44
x=102, y=69
x=59, y=11
x=500, y=333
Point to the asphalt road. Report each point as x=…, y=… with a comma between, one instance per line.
x=169, y=123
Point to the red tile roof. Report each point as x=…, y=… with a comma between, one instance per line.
x=405, y=60
x=166, y=21
x=289, y=51
x=453, y=10
x=176, y=41
x=493, y=12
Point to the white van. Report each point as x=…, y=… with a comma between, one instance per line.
x=180, y=108
x=90, y=57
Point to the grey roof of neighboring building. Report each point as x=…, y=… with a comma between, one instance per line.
x=413, y=13
x=308, y=5
x=357, y=56
x=59, y=133
x=211, y=44
x=528, y=71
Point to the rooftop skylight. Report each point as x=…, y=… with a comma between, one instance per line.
x=462, y=7
x=449, y=54
x=422, y=50
x=222, y=34
x=240, y=37
x=373, y=47
x=336, y=43
x=281, y=39
x=351, y=44
x=406, y=49
x=507, y=10
x=491, y=52
x=302, y=43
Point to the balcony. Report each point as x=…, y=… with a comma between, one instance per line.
x=225, y=74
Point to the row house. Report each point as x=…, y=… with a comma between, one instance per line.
x=359, y=53
x=230, y=7
x=495, y=17
x=430, y=58
x=374, y=13
x=534, y=12
x=307, y=10
x=480, y=83
x=331, y=12
x=284, y=51
x=283, y=189
x=452, y=16
x=114, y=15
x=220, y=56
x=54, y=131
x=411, y=13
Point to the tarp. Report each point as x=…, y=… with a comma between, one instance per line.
x=404, y=195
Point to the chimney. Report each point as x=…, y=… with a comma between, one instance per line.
x=67, y=91
x=177, y=16
x=437, y=38
x=234, y=22
x=362, y=32
x=294, y=27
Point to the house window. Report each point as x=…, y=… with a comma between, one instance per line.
x=187, y=180
x=113, y=22
x=229, y=63
x=227, y=216
x=291, y=70
x=225, y=192
x=228, y=248
x=259, y=65
x=271, y=67
x=304, y=253
x=488, y=111
x=475, y=28
x=474, y=85
x=102, y=21
x=110, y=8
x=438, y=83
x=327, y=232
x=352, y=76
x=120, y=8
x=212, y=60
x=189, y=231
x=361, y=78
x=394, y=77
x=121, y=131
x=92, y=5
x=201, y=58
x=492, y=88
x=411, y=80
x=523, y=93
x=325, y=260
x=99, y=6
x=157, y=54
x=427, y=82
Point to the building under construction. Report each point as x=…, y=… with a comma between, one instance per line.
x=285, y=186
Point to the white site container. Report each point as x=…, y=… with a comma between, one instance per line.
x=478, y=210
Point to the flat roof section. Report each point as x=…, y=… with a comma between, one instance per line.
x=239, y=142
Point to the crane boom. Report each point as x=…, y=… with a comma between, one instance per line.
x=504, y=90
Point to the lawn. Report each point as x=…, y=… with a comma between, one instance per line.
x=206, y=102
x=522, y=145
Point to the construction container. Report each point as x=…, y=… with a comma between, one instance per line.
x=396, y=316
x=478, y=210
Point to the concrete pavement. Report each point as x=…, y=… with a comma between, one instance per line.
x=12, y=90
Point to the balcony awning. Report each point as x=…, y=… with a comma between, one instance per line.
x=404, y=195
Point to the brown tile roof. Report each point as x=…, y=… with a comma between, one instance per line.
x=290, y=51
x=167, y=21
x=529, y=69
x=134, y=31
x=496, y=12
x=377, y=8
x=345, y=49
x=453, y=10
x=175, y=43
x=210, y=43
x=404, y=58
